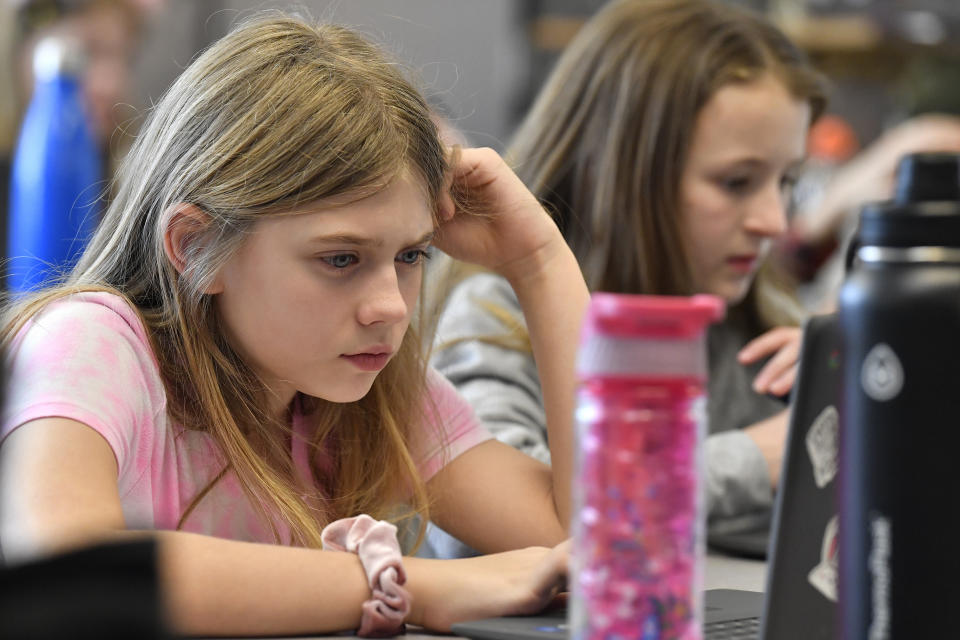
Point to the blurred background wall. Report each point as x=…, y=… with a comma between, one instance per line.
x=485, y=60
x=470, y=56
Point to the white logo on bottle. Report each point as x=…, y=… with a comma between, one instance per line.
x=882, y=373
x=881, y=578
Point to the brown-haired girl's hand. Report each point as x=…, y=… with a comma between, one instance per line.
x=778, y=374
x=491, y=219
x=521, y=582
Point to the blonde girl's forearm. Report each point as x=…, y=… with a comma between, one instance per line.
x=554, y=298
x=217, y=587
x=224, y=587
x=214, y=586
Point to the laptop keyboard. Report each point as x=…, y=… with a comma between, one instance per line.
x=745, y=629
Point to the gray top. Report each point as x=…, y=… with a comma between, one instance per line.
x=503, y=387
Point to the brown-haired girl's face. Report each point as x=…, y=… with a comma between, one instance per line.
x=748, y=143
x=319, y=301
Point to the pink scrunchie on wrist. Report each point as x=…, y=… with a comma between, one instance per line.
x=375, y=542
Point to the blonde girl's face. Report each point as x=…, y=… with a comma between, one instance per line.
x=747, y=147
x=319, y=301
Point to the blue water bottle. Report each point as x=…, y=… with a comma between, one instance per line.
x=55, y=180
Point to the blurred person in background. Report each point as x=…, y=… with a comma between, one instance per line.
x=665, y=142
x=824, y=223
x=108, y=32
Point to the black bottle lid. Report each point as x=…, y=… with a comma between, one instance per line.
x=925, y=210
x=928, y=177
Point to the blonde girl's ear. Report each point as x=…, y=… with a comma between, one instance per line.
x=183, y=224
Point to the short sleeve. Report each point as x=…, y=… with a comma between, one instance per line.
x=87, y=358
x=450, y=427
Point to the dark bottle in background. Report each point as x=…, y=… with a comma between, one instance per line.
x=899, y=313
x=56, y=172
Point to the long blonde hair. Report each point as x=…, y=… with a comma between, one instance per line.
x=605, y=143
x=278, y=113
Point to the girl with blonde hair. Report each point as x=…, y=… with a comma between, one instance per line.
x=232, y=368
x=664, y=142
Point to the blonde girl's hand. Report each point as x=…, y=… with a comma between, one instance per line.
x=778, y=374
x=521, y=582
x=494, y=221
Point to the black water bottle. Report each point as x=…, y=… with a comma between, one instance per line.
x=899, y=314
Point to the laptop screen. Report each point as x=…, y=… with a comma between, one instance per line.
x=802, y=580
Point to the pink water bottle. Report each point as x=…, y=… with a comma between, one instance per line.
x=639, y=517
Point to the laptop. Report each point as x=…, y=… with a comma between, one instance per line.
x=800, y=598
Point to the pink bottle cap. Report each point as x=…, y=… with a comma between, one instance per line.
x=627, y=335
x=638, y=316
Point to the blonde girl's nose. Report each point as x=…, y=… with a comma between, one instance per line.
x=383, y=300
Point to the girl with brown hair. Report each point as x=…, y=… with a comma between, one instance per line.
x=664, y=142
x=233, y=367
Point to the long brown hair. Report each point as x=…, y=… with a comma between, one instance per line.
x=279, y=113
x=605, y=143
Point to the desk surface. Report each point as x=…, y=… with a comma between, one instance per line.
x=722, y=572
x=728, y=572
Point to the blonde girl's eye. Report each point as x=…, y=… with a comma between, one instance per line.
x=340, y=260
x=413, y=256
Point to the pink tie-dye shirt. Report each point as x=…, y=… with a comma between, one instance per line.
x=87, y=358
